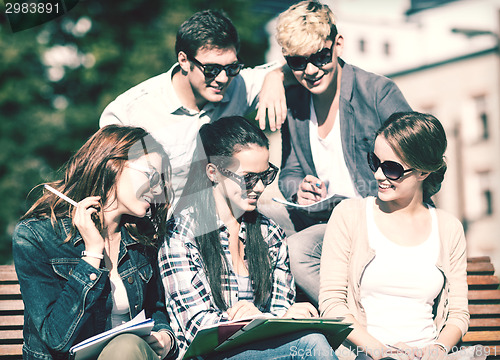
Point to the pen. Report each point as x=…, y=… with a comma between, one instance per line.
x=317, y=184
x=61, y=195
x=396, y=348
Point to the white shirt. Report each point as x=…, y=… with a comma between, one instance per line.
x=120, y=313
x=399, y=286
x=155, y=106
x=328, y=158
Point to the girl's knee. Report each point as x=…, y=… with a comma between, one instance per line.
x=126, y=347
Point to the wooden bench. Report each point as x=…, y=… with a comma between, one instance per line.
x=11, y=314
x=484, y=307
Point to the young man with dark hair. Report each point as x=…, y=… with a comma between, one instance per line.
x=206, y=83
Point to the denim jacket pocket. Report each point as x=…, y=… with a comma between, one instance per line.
x=64, y=267
x=145, y=271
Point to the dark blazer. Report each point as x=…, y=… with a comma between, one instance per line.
x=366, y=101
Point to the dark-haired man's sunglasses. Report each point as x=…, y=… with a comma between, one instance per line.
x=391, y=169
x=211, y=71
x=152, y=174
x=249, y=180
x=319, y=59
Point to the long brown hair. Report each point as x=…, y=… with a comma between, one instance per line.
x=93, y=171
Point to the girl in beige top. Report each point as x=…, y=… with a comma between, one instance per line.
x=408, y=166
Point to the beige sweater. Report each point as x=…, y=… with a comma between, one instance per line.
x=346, y=254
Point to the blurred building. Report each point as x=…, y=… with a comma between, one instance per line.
x=444, y=56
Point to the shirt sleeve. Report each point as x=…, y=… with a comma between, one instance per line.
x=334, y=268
x=390, y=100
x=187, y=289
x=113, y=114
x=292, y=173
x=458, y=301
x=253, y=79
x=58, y=312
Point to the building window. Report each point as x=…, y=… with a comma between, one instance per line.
x=362, y=45
x=486, y=193
x=387, y=49
x=482, y=116
x=488, y=201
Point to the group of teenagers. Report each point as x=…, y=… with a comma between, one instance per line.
x=167, y=220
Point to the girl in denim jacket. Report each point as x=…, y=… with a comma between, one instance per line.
x=87, y=268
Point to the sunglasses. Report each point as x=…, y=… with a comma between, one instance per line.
x=391, y=169
x=248, y=181
x=154, y=177
x=319, y=59
x=211, y=71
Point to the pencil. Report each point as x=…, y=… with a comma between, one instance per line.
x=61, y=195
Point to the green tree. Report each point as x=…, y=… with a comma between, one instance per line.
x=56, y=78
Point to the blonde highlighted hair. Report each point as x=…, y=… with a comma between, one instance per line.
x=304, y=27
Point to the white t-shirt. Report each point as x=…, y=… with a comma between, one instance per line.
x=399, y=286
x=155, y=106
x=120, y=313
x=328, y=158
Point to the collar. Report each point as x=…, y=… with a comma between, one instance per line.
x=66, y=224
x=347, y=81
x=172, y=103
x=242, y=234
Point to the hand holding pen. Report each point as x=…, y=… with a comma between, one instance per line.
x=84, y=218
x=311, y=190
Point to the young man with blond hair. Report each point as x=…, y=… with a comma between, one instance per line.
x=333, y=114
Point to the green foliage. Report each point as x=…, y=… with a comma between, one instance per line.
x=48, y=112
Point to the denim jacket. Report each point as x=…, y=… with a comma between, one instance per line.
x=66, y=299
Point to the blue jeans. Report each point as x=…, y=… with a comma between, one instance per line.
x=298, y=346
x=305, y=248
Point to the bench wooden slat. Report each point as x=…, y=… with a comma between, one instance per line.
x=486, y=309
x=10, y=289
x=11, y=335
x=484, y=323
x=477, y=259
x=12, y=320
x=11, y=350
x=480, y=268
x=487, y=295
x=10, y=305
x=481, y=336
x=7, y=276
x=482, y=280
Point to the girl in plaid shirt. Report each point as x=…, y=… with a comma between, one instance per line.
x=222, y=260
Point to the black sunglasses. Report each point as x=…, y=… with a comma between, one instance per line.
x=319, y=59
x=211, y=71
x=152, y=174
x=391, y=169
x=248, y=181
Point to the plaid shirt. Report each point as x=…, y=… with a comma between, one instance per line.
x=190, y=304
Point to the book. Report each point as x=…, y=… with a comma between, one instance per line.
x=230, y=335
x=321, y=208
x=91, y=347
